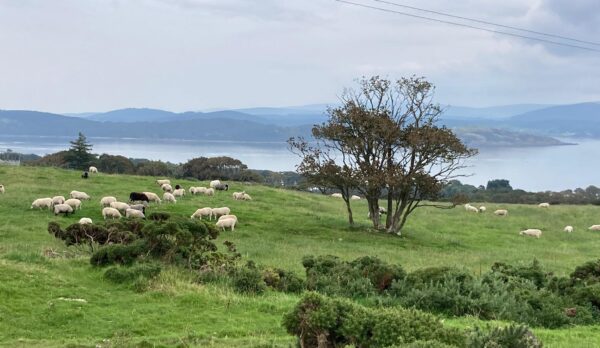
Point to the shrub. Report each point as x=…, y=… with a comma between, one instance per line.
x=117, y=254
x=514, y=336
x=159, y=216
x=589, y=272
x=248, y=279
x=437, y=275
x=131, y=274
x=533, y=273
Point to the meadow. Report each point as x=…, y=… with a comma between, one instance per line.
x=38, y=274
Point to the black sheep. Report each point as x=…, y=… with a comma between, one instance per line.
x=84, y=175
x=138, y=196
x=222, y=187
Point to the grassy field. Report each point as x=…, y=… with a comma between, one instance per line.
x=277, y=228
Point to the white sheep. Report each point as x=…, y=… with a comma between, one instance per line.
x=79, y=195
x=74, y=203
x=140, y=207
x=568, y=229
x=198, y=190
x=228, y=216
x=238, y=196
x=85, y=221
x=482, y=209
x=120, y=206
x=152, y=197
x=42, y=203
x=168, y=197
x=501, y=212
x=226, y=223
x=106, y=201
x=471, y=208
x=544, y=205
x=246, y=197
x=179, y=192
x=58, y=200
x=161, y=182
x=111, y=213
x=209, y=192
x=336, y=195
x=594, y=228
x=532, y=232
x=62, y=209
x=202, y=212
x=214, y=183
x=354, y=198
x=167, y=188
x=1, y=188
x=134, y=213
x=93, y=169
x=217, y=212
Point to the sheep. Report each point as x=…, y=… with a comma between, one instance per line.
x=93, y=170
x=246, y=197
x=167, y=188
x=152, y=197
x=594, y=228
x=382, y=211
x=106, y=201
x=120, y=206
x=209, y=192
x=111, y=213
x=85, y=221
x=532, y=232
x=161, y=182
x=544, y=205
x=58, y=200
x=138, y=197
x=471, y=208
x=62, y=209
x=177, y=187
x=168, y=197
x=238, y=196
x=79, y=195
x=568, y=229
x=197, y=190
x=179, y=192
x=1, y=188
x=140, y=207
x=501, y=212
x=482, y=209
x=214, y=183
x=74, y=203
x=202, y=212
x=221, y=187
x=354, y=198
x=226, y=223
x=217, y=212
x=228, y=216
x=336, y=195
x=134, y=213
x=42, y=203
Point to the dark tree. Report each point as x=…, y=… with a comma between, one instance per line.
x=499, y=185
x=225, y=168
x=115, y=164
x=384, y=141
x=79, y=156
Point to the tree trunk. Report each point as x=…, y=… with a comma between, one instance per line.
x=374, y=211
x=350, y=218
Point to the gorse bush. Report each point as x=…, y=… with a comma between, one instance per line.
x=514, y=336
x=130, y=274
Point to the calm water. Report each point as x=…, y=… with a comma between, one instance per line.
x=535, y=168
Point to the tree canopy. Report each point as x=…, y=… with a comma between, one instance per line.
x=79, y=155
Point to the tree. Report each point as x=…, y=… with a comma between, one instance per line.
x=225, y=168
x=501, y=185
x=79, y=155
x=115, y=164
x=385, y=141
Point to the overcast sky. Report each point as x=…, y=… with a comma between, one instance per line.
x=97, y=55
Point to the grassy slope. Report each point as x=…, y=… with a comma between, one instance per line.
x=277, y=228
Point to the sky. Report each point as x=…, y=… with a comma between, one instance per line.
x=181, y=55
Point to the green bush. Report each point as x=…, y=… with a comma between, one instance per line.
x=588, y=272
x=438, y=275
x=248, y=280
x=514, y=336
x=533, y=273
x=130, y=274
x=159, y=216
x=282, y=280
x=117, y=254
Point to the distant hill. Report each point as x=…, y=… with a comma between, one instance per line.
x=494, y=137
x=491, y=113
x=564, y=120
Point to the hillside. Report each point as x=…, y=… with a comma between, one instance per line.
x=277, y=228
x=581, y=120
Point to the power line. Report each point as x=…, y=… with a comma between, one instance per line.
x=488, y=23
x=467, y=26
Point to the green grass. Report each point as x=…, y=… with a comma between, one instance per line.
x=277, y=228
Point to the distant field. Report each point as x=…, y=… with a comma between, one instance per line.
x=277, y=228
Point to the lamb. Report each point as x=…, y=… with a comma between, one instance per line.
x=42, y=203
x=501, y=212
x=62, y=209
x=238, y=196
x=120, y=206
x=133, y=213
x=152, y=197
x=161, y=182
x=111, y=213
x=471, y=208
x=214, y=183
x=544, y=205
x=594, y=228
x=568, y=229
x=80, y=195
x=106, y=201
x=93, y=169
x=140, y=207
x=228, y=216
x=179, y=192
x=246, y=197
x=74, y=203
x=226, y=223
x=336, y=195
x=167, y=188
x=354, y=198
x=58, y=200
x=202, y=212
x=209, y=192
x=482, y=209
x=85, y=221
x=168, y=197
x=217, y=212
x=532, y=232
x=221, y=187
x=138, y=197
x=1, y=188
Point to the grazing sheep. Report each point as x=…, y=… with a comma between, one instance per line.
x=161, y=182
x=134, y=213
x=177, y=187
x=93, y=170
x=209, y=192
x=568, y=229
x=336, y=195
x=202, y=212
x=238, y=196
x=58, y=200
x=198, y=190
x=152, y=197
x=532, y=232
x=74, y=203
x=140, y=207
x=354, y=198
x=1, y=188
x=179, y=192
x=168, y=197
x=42, y=203
x=214, y=183
x=62, y=209
x=84, y=175
x=79, y=195
x=106, y=201
x=594, y=228
x=226, y=223
x=221, y=187
x=167, y=188
x=228, y=216
x=85, y=221
x=501, y=212
x=246, y=197
x=111, y=213
x=544, y=205
x=218, y=212
x=120, y=206
x=382, y=211
x=482, y=209
x=471, y=208
x=138, y=197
